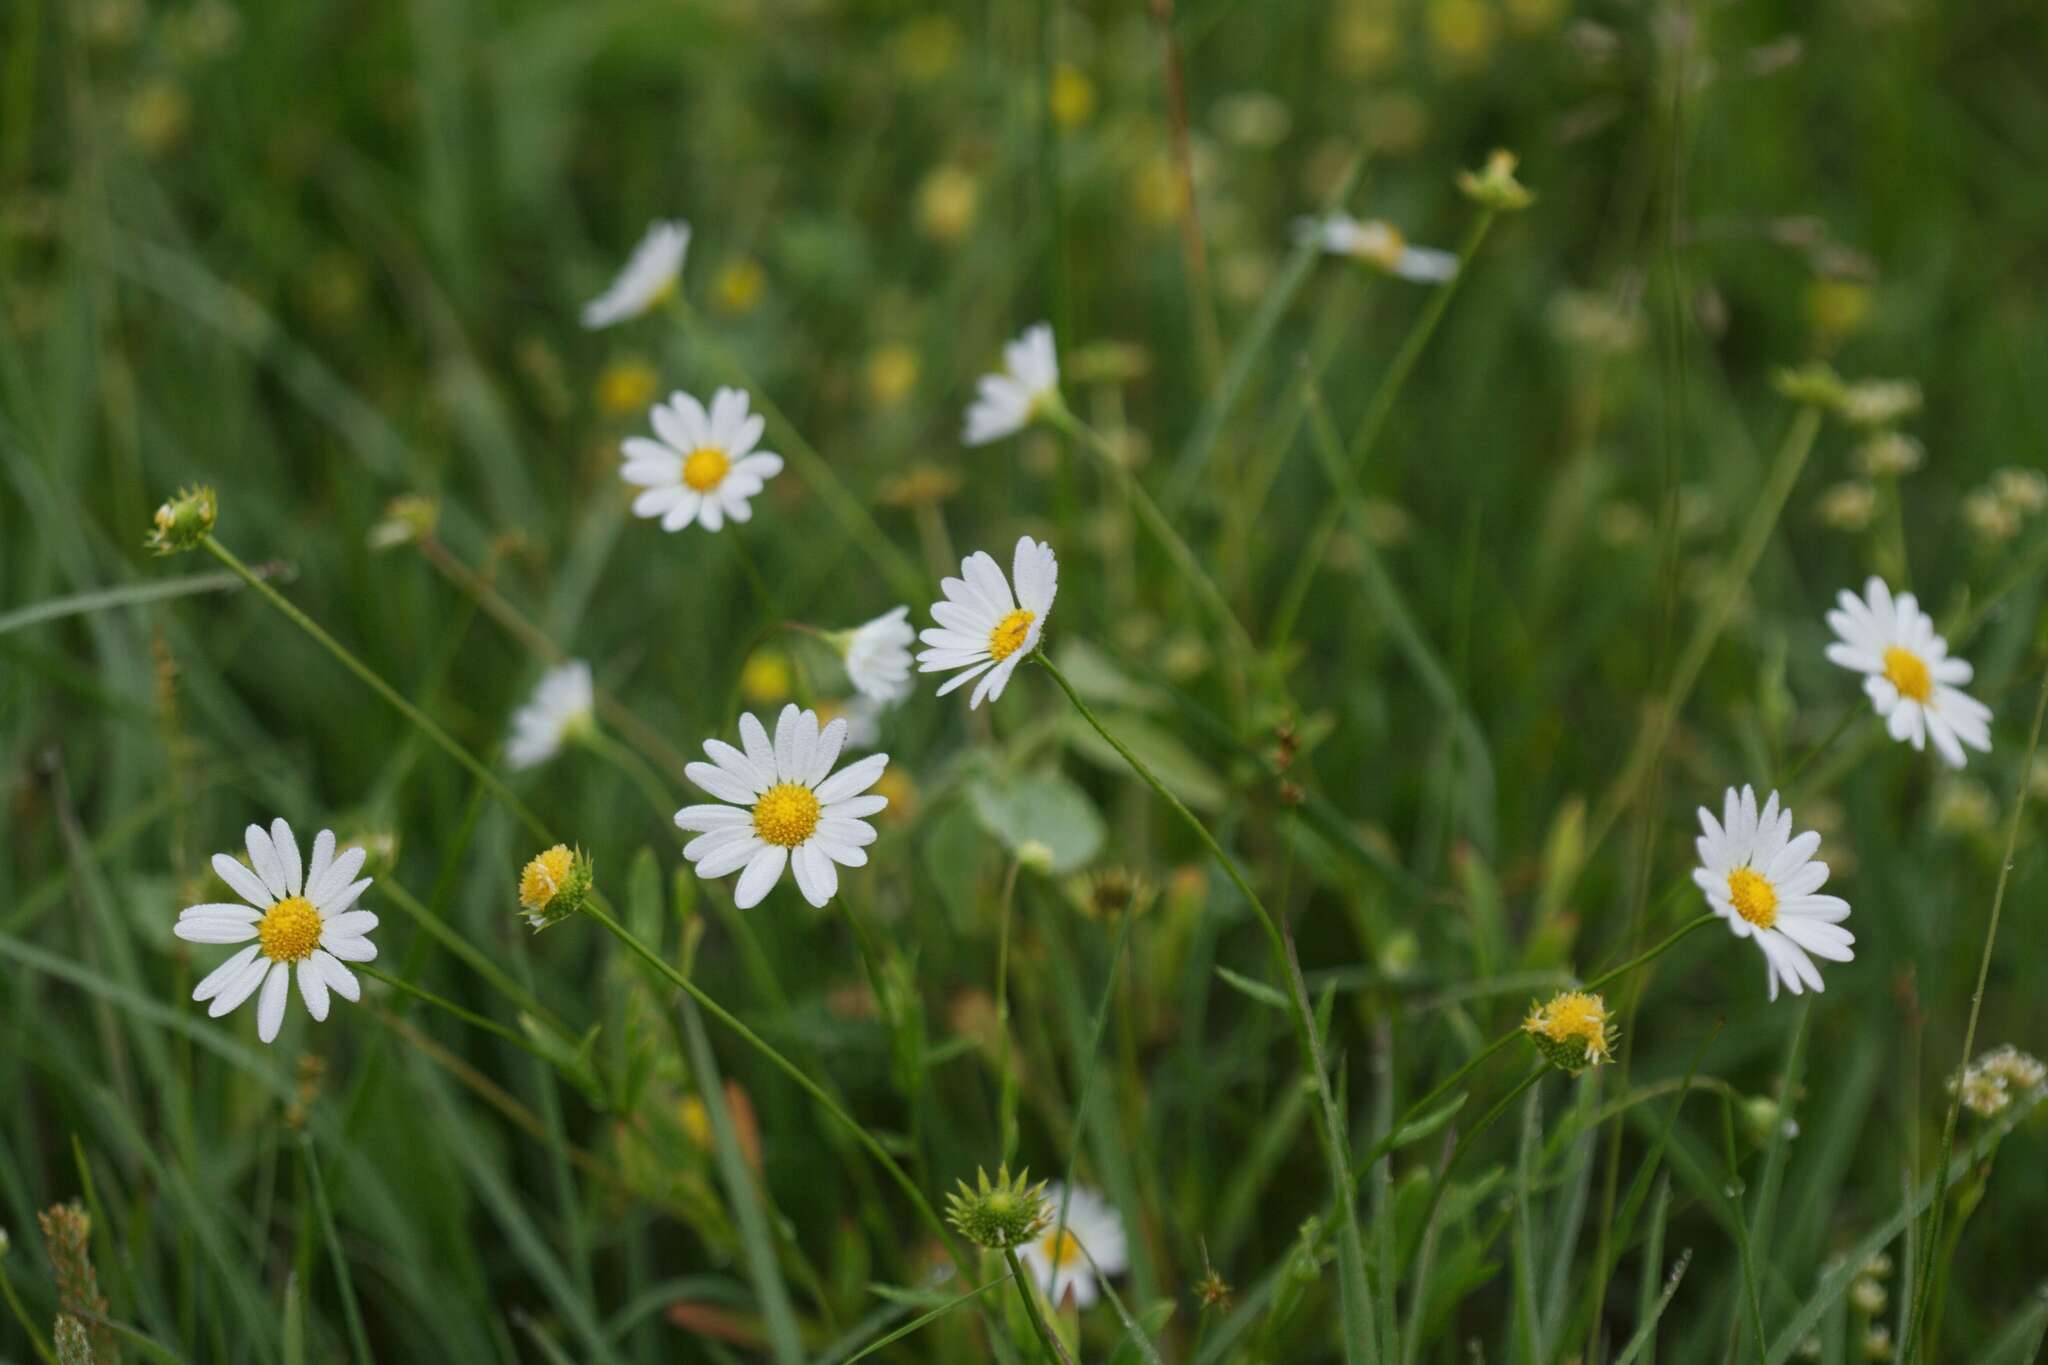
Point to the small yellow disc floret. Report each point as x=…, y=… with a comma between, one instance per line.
x=1908, y=672
x=289, y=930
x=706, y=468
x=1755, y=899
x=786, y=814
x=545, y=876
x=1008, y=636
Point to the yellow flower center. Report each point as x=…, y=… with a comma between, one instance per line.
x=705, y=469
x=1382, y=245
x=786, y=814
x=1574, y=1017
x=1062, y=1248
x=544, y=876
x=289, y=930
x=1907, y=671
x=1008, y=636
x=1754, y=897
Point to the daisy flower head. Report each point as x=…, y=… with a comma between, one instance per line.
x=1006, y=403
x=299, y=916
x=1572, y=1030
x=1380, y=245
x=649, y=276
x=983, y=631
x=1763, y=882
x=1910, y=678
x=562, y=707
x=1055, y=1256
x=787, y=808
x=877, y=656
x=701, y=466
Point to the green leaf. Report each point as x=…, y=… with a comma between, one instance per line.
x=1039, y=808
x=1171, y=761
x=1257, y=990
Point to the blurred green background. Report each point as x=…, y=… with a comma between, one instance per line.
x=326, y=255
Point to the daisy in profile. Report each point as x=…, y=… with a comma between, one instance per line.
x=983, y=631
x=649, y=277
x=788, y=808
x=1006, y=403
x=1906, y=669
x=1762, y=881
x=877, y=656
x=701, y=467
x=560, y=710
x=1054, y=1257
x=1379, y=245
x=299, y=916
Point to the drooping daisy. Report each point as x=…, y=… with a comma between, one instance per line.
x=1378, y=244
x=1006, y=403
x=877, y=656
x=561, y=709
x=1911, y=680
x=1054, y=1255
x=982, y=630
x=299, y=916
x=649, y=277
x=703, y=467
x=788, y=808
x=1763, y=882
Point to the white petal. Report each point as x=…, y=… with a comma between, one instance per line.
x=815, y=875
x=264, y=859
x=323, y=858
x=705, y=818
x=351, y=925
x=286, y=846
x=220, y=977
x=727, y=858
x=340, y=979
x=270, y=1008
x=246, y=884
x=351, y=949
x=759, y=879
x=210, y=929
x=851, y=780
x=239, y=988
x=339, y=874
x=720, y=783
x=313, y=989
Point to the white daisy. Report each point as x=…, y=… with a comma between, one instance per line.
x=1008, y=402
x=649, y=277
x=1378, y=244
x=786, y=809
x=877, y=656
x=296, y=915
x=1762, y=881
x=703, y=467
x=1054, y=1256
x=561, y=709
x=982, y=629
x=1907, y=672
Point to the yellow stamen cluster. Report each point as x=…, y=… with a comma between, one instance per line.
x=1061, y=1248
x=1008, y=636
x=1908, y=672
x=554, y=885
x=1571, y=1031
x=289, y=930
x=706, y=468
x=1755, y=899
x=786, y=814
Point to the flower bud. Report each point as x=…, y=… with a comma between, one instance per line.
x=1494, y=185
x=183, y=522
x=1002, y=1215
x=554, y=885
x=1571, y=1031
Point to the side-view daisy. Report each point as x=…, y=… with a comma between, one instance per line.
x=877, y=656
x=1911, y=680
x=299, y=916
x=788, y=808
x=1055, y=1257
x=703, y=467
x=1378, y=244
x=982, y=630
x=561, y=709
x=1006, y=403
x=1762, y=881
x=648, y=278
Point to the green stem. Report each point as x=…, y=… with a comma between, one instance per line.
x=1006, y=1102
x=1027, y=1292
x=369, y=677
x=1465, y=1141
x=1910, y=1348
x=358, y=1339
x=1331, y=1130
x=28, y=1327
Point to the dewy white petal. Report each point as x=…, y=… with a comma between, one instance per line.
x=270, y=1008
x=764, y=869
x=220, y=977
x=646, y=279
x=263, y=858
x=312, y=988
x=286, y=845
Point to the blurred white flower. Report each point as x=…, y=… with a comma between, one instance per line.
x=877, y=656
x=1006, y=403
x=982, y=630
x=1762, y=881
x=1907, y=672
x=649, y=277
x=1055, y=1258
x=788, y=808
x=703, y=467
x=1380, y=245
x=298, y=914
x=562, y=708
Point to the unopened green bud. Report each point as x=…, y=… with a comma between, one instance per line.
x=183, y=522
x=1494, y=185
x=1000, y=1215
x=1815, y=386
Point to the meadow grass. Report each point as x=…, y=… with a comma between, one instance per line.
x=1402, y=625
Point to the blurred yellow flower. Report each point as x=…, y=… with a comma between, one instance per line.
x=1837, y=308
x=1462, y=34
x=626, y=386
x=766, y=677
x=738, y=286
x=1363, y=43
x=946, y=203
x=891, y=374
x=1072, y=96
x=927, y=48
x=157, y=117
x=1397, y=122
x=1533, y=17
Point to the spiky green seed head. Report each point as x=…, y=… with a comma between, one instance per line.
x=1002, y=1214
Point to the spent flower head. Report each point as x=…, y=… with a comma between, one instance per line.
x=554, y=884
x=1879, y=402
x=1571, y=1030
x=1815, y=385
x=1494, y=185
x=182, y=522
x=2019, y=1070
x=1890, y=454
x=408, y=519
x=1002, y=1214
